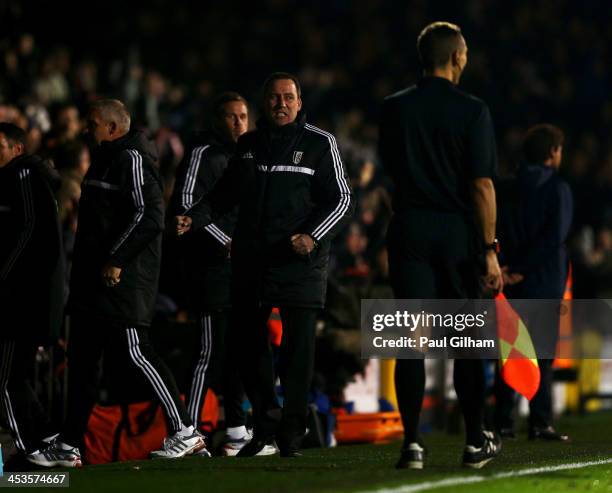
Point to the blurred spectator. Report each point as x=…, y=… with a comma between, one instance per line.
x=51, y=85
x=168, y=81
x=66, y=126
x=149, y=108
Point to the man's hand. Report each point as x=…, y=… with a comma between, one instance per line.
x=493, y=279
x=183, y=224
x=511, y=278
x=302, y=244
x=111, y=275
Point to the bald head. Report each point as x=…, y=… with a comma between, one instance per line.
x=108, y=119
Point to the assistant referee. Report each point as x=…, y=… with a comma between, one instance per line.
x=437, y=144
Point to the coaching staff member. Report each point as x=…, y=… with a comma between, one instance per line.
x=533, y=228
x=113, y=283
x=437, y=144
x=294, y=196
x=31, y=284
x=207, y=268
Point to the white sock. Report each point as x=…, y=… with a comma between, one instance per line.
x=236, y=432
x=186, y=431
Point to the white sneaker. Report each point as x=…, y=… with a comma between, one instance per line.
x=232, y=446
x=54, y=455
x=178, y=446
x=268, y=450
x=49, y=439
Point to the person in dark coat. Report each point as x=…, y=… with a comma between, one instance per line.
x=294, y=195
x=31, y=283
x=207, y=268
x=113, y=284
x=536, y=211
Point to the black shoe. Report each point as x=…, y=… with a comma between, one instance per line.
x=506, y=433
x=476, y=458
x=291, y=453
x=548, y=433
x=252, y=448
x=289, y=444
x=411, y=457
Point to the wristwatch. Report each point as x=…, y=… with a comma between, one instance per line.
x=493, y=246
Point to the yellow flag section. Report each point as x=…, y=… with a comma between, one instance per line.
x=518, y=360
x=564, y=347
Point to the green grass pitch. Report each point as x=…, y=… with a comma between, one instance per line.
x=369, y=468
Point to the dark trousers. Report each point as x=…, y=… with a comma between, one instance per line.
x=432, y=255
x=295, y=367
x=24, y=415
x=126, y=347
x=217, y=367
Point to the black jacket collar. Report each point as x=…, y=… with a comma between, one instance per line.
x=435, y=81
x=272, y=132
x=134, y=139
x=214, y=137
x=44, y=168
x=279, y=141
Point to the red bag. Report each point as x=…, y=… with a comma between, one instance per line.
x=131, y=431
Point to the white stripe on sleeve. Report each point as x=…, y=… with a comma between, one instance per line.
x=345, y=191
x=138, y=179
x=217, y=233
x=191, y=178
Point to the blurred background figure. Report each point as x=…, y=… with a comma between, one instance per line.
x=535, y=217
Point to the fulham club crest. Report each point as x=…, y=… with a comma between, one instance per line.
x=297, y=156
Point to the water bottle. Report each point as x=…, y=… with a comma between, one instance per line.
x=1, y=462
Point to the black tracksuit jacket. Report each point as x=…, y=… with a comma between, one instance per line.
x=121, y=218
x=207, y=268
x=286, y=180
x=31, y=254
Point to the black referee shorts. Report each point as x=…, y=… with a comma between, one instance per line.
x=433, y=255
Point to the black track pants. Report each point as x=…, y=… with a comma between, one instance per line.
x=126, y=347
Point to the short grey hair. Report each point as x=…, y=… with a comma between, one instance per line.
x=112, y=110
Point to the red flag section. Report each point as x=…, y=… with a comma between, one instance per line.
x=518, y=359
x=275, y=328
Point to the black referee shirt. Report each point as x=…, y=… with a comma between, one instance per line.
x=435, y=139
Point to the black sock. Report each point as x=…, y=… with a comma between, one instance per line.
x=470, y=387
x=410, y=388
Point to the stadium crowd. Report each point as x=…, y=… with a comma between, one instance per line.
x=529, y=64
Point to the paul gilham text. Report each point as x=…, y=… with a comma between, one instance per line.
x=426, y=342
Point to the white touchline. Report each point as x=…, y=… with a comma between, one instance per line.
x=459, y=480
